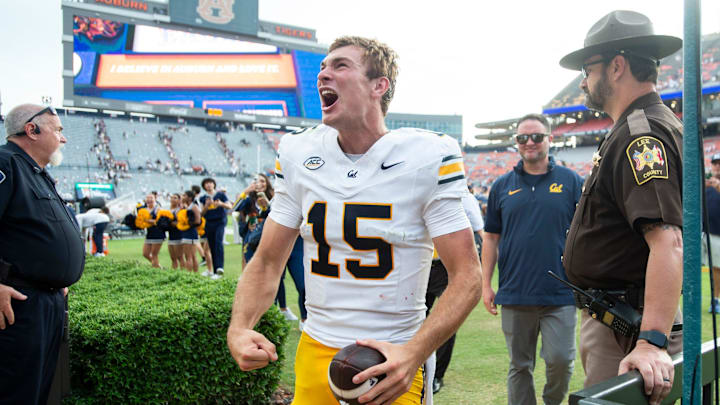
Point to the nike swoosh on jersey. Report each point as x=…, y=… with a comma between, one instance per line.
x=382, y=165
x=514, y=191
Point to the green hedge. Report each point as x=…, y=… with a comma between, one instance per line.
x=143, y=335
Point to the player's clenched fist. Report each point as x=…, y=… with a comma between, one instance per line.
x=250, y=349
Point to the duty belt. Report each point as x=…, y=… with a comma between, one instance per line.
x=14, y=281
x=634, y=297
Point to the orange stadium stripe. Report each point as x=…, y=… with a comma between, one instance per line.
x=196, y=71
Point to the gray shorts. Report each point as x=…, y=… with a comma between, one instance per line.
x=714, y=247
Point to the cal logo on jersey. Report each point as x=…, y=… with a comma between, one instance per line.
x=451, y=169
x=313, y=163
x=647, y=158
x=2, y=176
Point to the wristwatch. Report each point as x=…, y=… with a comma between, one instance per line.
x=655, y=338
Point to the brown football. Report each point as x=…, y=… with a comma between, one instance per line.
x=347, y=362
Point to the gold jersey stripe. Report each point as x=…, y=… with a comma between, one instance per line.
x=277, y=166
x=451, y=168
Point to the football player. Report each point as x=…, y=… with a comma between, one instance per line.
x=369, y=204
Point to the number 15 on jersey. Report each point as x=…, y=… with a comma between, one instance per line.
x=352, y=212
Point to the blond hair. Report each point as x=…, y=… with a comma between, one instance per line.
x=381, y=61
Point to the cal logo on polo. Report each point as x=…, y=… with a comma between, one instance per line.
x=646, y=155
x=556, y=188
x=2, y=176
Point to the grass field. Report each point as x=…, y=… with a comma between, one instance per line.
x=480, y=362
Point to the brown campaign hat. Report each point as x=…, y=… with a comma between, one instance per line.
x=622, y=30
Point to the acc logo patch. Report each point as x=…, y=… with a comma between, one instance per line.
x=2, y=176
x=647, y=159
x=313, y=162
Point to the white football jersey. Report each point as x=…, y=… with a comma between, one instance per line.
x=367, y=227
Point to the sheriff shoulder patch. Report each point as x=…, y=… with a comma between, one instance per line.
x=2, y=176
x=646, y=155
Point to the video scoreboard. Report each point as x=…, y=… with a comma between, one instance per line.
x=193, y=58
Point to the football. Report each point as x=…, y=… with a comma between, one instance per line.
x=347, y=362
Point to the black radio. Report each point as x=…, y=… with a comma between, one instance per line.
x=607, y=308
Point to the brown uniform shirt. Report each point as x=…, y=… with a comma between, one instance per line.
x=636, y=177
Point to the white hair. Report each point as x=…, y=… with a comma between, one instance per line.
x=17, y=117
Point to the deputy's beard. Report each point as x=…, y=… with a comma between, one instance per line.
x=596, y=100
x=57, y=157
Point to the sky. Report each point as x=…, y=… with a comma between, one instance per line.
x=484, y=60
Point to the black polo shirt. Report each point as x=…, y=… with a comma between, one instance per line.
x=38, y=235
x=636, y=178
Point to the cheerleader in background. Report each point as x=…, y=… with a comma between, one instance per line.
x=188, y=220
x=202, y=238
x=175, y=235
x=200, y=247
x=214, y=204
x=255, y=207
x=154, y=238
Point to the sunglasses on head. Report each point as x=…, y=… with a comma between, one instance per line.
x=523, y=138
x=50, y=110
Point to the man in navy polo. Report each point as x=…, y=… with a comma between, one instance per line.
x=529, y=211
x=712, y=196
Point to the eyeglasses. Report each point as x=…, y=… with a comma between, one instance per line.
x=51, y=110
x=623, y=52
x=583, y=68
x=522, y=139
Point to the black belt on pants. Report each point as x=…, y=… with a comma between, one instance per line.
x=14, y=281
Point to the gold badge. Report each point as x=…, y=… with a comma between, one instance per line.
x=596, y=158
x=646, y=155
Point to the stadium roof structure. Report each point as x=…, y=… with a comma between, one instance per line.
x=498, y=130
x=670, y=79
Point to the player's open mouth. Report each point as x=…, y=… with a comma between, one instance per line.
x=328, y=98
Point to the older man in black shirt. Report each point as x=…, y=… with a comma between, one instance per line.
x=41, y=253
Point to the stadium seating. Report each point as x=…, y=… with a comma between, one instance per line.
x=135, y=143
x=195, y=146
x=593, y=126
x=246, y=152
x=122, y=158
x=81, y=137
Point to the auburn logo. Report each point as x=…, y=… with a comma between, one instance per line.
x=216, y=11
